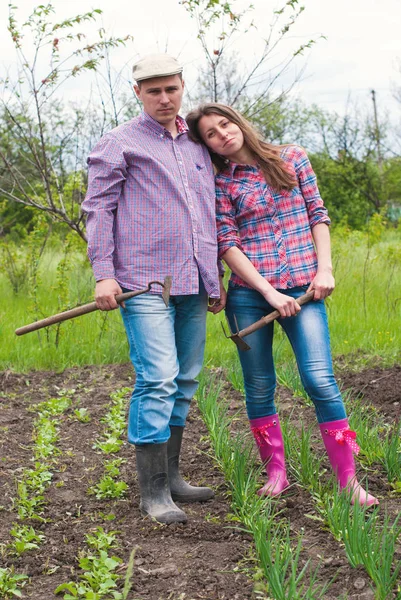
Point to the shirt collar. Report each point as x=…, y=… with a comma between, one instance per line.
x=147, y=120
x=230, y=168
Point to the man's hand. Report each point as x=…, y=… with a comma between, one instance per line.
x=215, y=305
x=105, y=294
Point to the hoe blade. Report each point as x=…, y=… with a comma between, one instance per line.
x=166, y=289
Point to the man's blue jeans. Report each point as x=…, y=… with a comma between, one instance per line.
x=309, y=337
x=166, y=349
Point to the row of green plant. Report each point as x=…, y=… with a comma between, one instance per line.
x=99, y=577
x=369, y=539
x=31, y=486
x=281, y=573
x=110, y=442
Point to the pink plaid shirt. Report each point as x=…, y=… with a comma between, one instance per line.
x=273, y=229
x=151, y=209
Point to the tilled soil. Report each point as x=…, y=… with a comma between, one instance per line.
x=207, y=558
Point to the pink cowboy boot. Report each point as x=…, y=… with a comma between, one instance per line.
x=340, y=443
x=268, y=436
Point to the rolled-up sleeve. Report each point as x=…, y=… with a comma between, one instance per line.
x=317, y=212
x=227, y=228
x=107, y=171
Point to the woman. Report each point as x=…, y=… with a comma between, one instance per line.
x=273, y=234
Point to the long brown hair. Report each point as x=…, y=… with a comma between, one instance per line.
x=268, y=157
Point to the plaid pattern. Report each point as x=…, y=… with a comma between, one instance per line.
x=151, y=209
x=273, y=229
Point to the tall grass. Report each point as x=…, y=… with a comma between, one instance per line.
x=364, y=314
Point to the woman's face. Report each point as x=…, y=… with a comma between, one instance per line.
x=221, y=135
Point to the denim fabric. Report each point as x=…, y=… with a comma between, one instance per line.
x=309, y=337
x=166, y=350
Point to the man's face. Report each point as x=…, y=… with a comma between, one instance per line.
x=161, y=97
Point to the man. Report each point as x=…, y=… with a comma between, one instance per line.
x=151, y=213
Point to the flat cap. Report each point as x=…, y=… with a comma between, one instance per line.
x=155, y=65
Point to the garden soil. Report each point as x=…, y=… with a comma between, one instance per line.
x=210, y=557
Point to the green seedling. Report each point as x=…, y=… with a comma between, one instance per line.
x=115, y=420
x=101, y=539
x=98, y=580
x=373, y=545
x=112, y=467
x=28, y=507
x=25, y=539
x=45, y=435
x=11, y=583
x=82, y=415
x=37, y=479
x=110, y=445
x=108, y=488
x=52, y=407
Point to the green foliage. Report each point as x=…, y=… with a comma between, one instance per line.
x=11, y=583
x=21, y=262
x=99, y=579
x=82, y=415
x=108, y=488
x=39, y=139
x=25, y=538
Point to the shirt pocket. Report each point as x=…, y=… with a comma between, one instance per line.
x=201, y=180
x=251, y=202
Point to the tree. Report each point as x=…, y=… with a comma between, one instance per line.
x=224, y=78
x=41, y=145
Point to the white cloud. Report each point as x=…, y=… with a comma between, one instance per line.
x=359, y=54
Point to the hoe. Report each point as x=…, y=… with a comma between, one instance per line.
x=237, y=336
x=91, y=307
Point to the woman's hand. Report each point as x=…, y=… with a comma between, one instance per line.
x=323, y=284
x=287, y=306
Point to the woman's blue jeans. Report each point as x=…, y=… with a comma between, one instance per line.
x=166, y=350
x=308, y=334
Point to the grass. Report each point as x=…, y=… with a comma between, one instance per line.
x=364, y=314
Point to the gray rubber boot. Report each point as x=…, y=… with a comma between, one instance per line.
x=156, y=501
x=180, y=489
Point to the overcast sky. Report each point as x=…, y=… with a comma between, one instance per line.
x=360, y=53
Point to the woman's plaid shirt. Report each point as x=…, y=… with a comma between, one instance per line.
x=273, y=229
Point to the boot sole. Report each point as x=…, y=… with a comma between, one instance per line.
x=167, y=519
x=190, y=499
